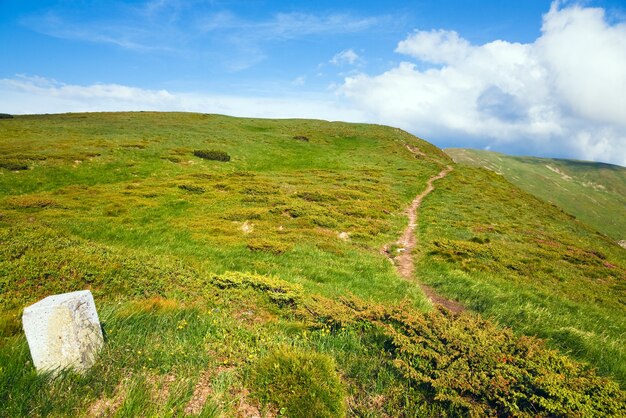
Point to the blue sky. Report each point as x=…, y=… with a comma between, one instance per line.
x=486, y=74
x=234, y=47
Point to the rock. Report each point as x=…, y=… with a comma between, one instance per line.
x=63, y=331
x=247, y=227
x=622, y=243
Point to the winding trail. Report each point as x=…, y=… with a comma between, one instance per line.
x=404, y=259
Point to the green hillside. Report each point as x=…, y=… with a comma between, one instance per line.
x=593, y=192
x=258, y=281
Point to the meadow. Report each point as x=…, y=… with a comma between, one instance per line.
x=255, y=284
x=593, y=192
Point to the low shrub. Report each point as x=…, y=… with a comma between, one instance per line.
x=469, y=366
x=13, y=165
x=477, y=369
x=272, y=247
x=324, y=221
x=5, y=116
x=316, y=196
x=299, y=384
x=192, y=188
x=301, y=138
x=279, y=291
x=31, y=202
x=243, y=214
x=212, y=155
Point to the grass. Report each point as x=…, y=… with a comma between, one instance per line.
x=299, y=382
x=206, y=274
x=593, y=192
x=238, y=349
x=527, y=265
x=277, y=207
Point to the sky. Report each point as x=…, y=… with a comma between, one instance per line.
x=532, y=77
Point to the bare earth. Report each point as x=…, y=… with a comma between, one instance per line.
x=404, y=259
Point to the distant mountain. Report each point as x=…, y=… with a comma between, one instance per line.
x=593, y=192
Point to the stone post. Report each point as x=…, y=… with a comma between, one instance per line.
x=63, y=331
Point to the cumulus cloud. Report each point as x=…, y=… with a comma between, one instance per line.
x=347, y=56
x=562, y=94
x=27, y=95
x=436, y=46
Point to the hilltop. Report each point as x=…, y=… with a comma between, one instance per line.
x=249, y=267
x=593, y=192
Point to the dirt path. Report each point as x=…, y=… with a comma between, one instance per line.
x=403, y=260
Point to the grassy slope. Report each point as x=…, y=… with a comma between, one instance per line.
x=131, y=181
x=593, y=192
x=117, y=203
x=526, y=264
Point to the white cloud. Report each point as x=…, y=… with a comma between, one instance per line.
x=347, y=56
x=292, y=25
x=170, y=25
x=195, y=30
x=588, y=59
x=564, y=94
x=436, y=46
x=27, y=95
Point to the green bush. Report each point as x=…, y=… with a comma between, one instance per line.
x=468, y=366
x=5, y=116
x=192, y=188
x=263, y=245
x=473, y=368
x=280, y=291
x=13, y=165
x=299, y=384
x=212, y=155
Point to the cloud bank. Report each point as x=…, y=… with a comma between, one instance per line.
x=28, y=95
x=564, y=94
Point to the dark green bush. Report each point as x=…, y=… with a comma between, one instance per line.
x=212, y=155
x=474, y=368
x=299, y=384
x=468, y=366
x=192, y=188
x=5, y=116
x=13, y=165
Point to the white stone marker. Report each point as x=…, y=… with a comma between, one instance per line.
x=63, y=331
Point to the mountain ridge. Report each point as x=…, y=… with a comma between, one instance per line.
x=592, y=191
